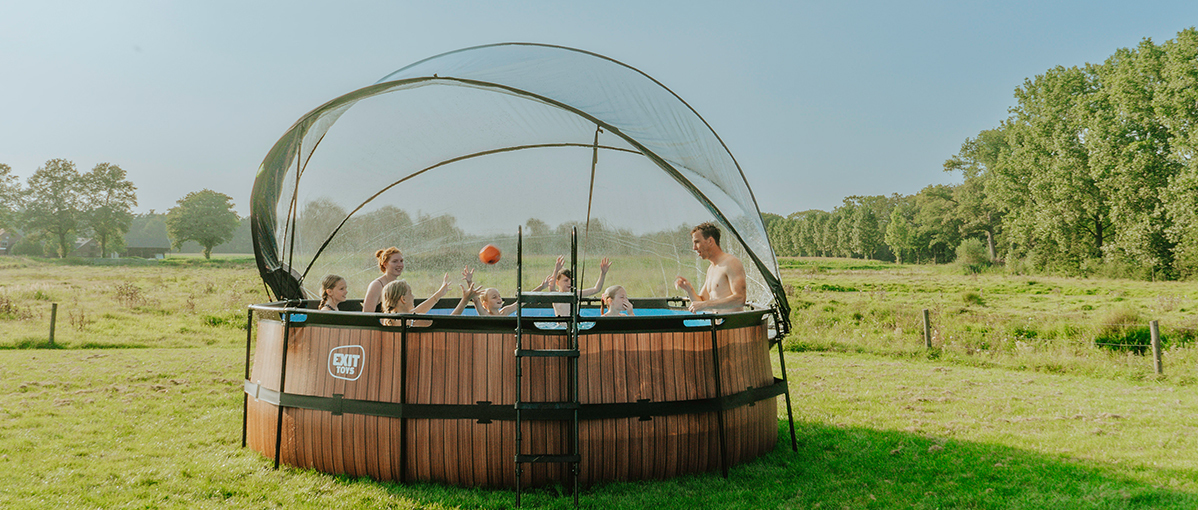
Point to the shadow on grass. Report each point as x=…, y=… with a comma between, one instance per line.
x=81, y=261
x=32, y=343
x=43, y=343
x=858, y=468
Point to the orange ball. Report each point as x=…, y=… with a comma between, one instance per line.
x=489, y=254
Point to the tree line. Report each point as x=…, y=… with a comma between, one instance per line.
x=58, y=204
x=1094, y=170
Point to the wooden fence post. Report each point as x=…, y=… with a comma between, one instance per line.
x=1156, y=346
x=53, y=319
x=927, y=329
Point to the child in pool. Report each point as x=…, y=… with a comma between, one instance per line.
x=563, y=278
x=391, y=264
x=615, y=299
x=490, y=302
x=397, y=298
x=332, y=292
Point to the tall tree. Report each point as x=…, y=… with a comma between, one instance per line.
x=53, y=205
x=977, y=210
x=205, y=216
x=1056, y=211
x=1173, y=103
x=317, y=221
x=10, y=197
x=936, y=229
x=108, y=201
x=899, y=235
x=1129, y=154
x=866, y=234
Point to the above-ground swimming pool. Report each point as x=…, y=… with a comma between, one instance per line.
x=340, y=393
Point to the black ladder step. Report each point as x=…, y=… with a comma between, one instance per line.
x=546, y=353
x=538, y=458
x=547, y=297
x=527, y=406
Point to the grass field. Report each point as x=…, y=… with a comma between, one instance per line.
x=160, y=428
x=881, y=422
x=1041, y=323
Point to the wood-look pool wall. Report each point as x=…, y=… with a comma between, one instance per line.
x=330, y=422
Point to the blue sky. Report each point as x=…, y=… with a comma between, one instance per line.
x=816, y=100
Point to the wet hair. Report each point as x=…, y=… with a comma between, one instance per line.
x=392, y=293
x=567, y=273
x=708, y=230
x=326, y=284
x=385, y=254
x=608, y=294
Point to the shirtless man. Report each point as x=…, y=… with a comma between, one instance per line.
x=724, y=288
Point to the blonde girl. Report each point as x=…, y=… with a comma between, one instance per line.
x=615, y=299
x=397, y=298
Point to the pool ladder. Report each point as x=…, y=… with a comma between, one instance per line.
x=570, y=354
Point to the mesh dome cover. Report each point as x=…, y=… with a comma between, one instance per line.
x=458, y=150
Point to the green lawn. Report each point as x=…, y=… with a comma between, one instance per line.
x=160, y=428
x=1040, y=323
x=1014, y=407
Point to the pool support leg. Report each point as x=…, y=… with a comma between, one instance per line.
x=794, y=443
x=719, y=396
x=282, y=388
x=403, y=399
x=245, y=397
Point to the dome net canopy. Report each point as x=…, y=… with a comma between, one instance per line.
x=458, y=150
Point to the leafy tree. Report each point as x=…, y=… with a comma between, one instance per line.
x=205, y=216
x=148, y=230
x=937, y=230
x=108, y=200
x=899, y=234
x=977, y=210
x=866, y=234
x=1173, y=103
x=1129, y=151
x=53, y=205
x=317, y=220
x=781, y=235
x=829, y=235
x=10, y=197
x=535, y=232
x=1056, y=212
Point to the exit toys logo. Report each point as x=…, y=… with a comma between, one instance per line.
x=346, y=362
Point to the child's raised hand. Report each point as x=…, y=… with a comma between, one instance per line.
x=557, y=267
x=470, y=291
x=604, y=265
x=468, y=275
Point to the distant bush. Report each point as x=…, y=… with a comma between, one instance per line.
x=29, y=247
x=973, y=255
x=970, y=297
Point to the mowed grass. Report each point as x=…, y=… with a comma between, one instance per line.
x=881, y=423
x=1040, y=323
x=160, y=428
x=182, y=301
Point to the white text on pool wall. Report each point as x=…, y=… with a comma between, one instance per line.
x=346, y=362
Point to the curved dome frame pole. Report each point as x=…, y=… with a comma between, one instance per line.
x=443, y=163
x=586, y=232
x=775, y=286
x=773, y=282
